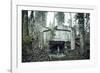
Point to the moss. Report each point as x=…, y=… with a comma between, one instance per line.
x=27, y=40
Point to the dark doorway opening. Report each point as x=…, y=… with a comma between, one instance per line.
x=56, y=47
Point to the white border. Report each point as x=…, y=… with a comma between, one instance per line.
x=17, y=66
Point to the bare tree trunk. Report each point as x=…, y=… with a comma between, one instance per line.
x=31, y=24
x=81, y=43
x=82, y=40
x=25, y=23
x=72, y=34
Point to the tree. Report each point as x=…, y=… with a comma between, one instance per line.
x=80, y=18
x=40, y=23
x=26, y=40
x=87, y=20
x=60, y=18
x=87, y=35
x=31, y=21
x=72, y=33
x=25, y=31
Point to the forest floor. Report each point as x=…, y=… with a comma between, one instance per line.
x=70, y=55
x=44, y=56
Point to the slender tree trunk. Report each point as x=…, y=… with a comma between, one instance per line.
x=25, y=23
x=82, y=40
x=81, y=43
x=31, y=24
x=72, y=34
